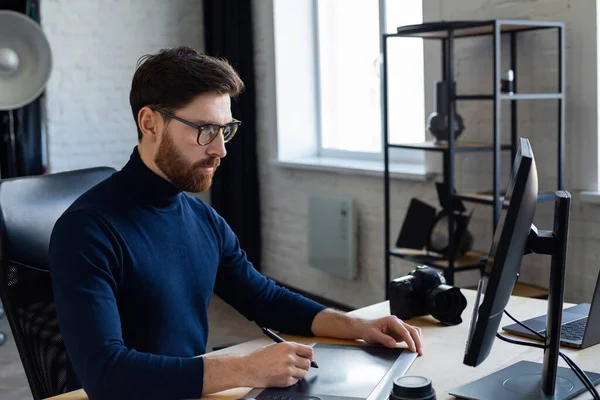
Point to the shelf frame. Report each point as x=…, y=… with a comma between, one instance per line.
x=486, y=198
x=510, y=97
x=446, y=33
x=461, y=147
x=470, y=261
x=469, y=29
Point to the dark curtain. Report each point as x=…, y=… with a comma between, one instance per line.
x=235, y=191
x=21, y=129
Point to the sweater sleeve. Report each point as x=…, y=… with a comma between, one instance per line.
x=257, y=298
x=85, y=264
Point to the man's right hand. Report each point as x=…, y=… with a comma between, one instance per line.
x=278, y=364
x=275, y=365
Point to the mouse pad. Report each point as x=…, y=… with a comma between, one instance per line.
x=345, y=372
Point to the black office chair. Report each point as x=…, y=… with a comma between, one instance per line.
x=29, y=208
x=2, y=335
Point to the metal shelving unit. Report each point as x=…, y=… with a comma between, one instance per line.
x=446, y=32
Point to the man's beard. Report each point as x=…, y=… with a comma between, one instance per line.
x=185, y=177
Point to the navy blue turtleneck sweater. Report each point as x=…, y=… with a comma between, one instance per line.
x=134, y=263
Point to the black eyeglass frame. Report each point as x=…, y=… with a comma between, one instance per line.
x=236, y=124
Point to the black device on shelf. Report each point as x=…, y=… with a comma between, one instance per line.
x=417, y=225
x=447, y=32
x=437, y=122
x=425, y=227
x=515, y=236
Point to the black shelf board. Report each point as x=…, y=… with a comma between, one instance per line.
x=488, y=198
x=441, y=29
x=532, y=96
x=516, y=96
x=471, y=260
x=474, y=97
x=459, y=147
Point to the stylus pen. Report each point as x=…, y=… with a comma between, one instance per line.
x=278, y=339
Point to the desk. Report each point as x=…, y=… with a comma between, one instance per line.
x=443, y=349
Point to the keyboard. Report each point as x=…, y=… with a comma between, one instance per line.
x=571, y=331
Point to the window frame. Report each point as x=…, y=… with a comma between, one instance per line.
x=404, y=156
x=288, y=47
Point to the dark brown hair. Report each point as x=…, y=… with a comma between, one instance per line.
x=172, y=78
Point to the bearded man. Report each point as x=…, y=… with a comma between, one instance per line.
x=136, y=260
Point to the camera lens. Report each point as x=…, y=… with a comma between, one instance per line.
x=446, y=304
x=412, y=387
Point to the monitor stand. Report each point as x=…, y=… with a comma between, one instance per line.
x=533, y=380
x=523, y=381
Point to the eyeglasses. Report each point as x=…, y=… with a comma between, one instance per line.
x=208, y=132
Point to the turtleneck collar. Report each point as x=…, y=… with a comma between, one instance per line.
x=147, y=185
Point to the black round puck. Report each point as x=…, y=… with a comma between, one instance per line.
x=412, y=388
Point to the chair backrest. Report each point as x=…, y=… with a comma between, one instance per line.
x=29, y=208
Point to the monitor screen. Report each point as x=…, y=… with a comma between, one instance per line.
x=505, y=256
x=503, y=211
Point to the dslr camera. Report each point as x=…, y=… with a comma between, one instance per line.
x=424, y=291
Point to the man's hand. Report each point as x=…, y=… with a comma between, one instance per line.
x=386, y=331
x=275, y=365
x=278, y=364
x=389, y=330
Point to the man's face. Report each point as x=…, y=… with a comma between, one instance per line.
x=189, y=166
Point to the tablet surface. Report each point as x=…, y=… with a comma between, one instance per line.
x=345, y=373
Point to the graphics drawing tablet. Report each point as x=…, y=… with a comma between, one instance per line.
x=345, y=373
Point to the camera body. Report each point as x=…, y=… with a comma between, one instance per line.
x=424, y=291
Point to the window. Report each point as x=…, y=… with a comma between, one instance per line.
x=320, y=67
x=348, y=46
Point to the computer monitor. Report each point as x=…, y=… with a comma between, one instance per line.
x=507, y=250
x=515, y=236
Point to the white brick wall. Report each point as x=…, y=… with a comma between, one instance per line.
x=285, y=192
x=95, y=46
